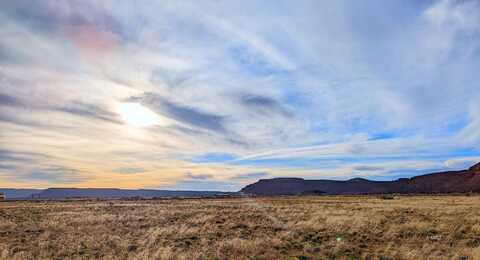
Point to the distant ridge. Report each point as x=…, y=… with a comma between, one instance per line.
x=19, y=193
x=65, y=193
x=441, y=182
x=105, y=193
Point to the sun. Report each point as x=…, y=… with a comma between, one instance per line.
x=137, y=115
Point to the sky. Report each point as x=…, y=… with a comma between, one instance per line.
x=213, y=95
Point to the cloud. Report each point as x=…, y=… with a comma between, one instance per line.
x=204, y=185
x=214, y=157
x=184, y=114
x=191, y=176
x=172, y=79
x=264, y=104
x=6, y=100
x=470, y=134
x=194, y=117
x=53, y=174
x=79, y=109
x=89, y=111
x=250, y=176
x=461, y=163
x=18, y=156
x=129, y=170
x=260, y=101
x=7, y=167
x=367, y=168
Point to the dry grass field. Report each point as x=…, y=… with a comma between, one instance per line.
x=327, y=227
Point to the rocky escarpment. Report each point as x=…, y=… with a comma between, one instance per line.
x=440, y=182
x=476, y=168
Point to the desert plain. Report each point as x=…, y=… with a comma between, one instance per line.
x=304, y=227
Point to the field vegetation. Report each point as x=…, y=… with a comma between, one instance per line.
x=316, y=227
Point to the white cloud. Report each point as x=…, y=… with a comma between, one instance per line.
x=471, y=133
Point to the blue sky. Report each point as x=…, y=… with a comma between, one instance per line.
x=217, y=94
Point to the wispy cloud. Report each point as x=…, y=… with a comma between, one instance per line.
x=198, y=176
x=89, y=111
x=51, y=175
x=251, y=176
x=129, y=170
x=184, y=114
x=6, y=100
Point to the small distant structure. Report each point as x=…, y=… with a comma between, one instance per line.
x=2, y=196
x=387, y=197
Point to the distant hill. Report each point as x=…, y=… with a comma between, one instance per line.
x=65, y=193
x=19, y=193
x=441, y=182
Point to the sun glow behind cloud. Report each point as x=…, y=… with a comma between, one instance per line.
x=137, y=115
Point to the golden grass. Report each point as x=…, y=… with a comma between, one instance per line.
x=327, y=227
